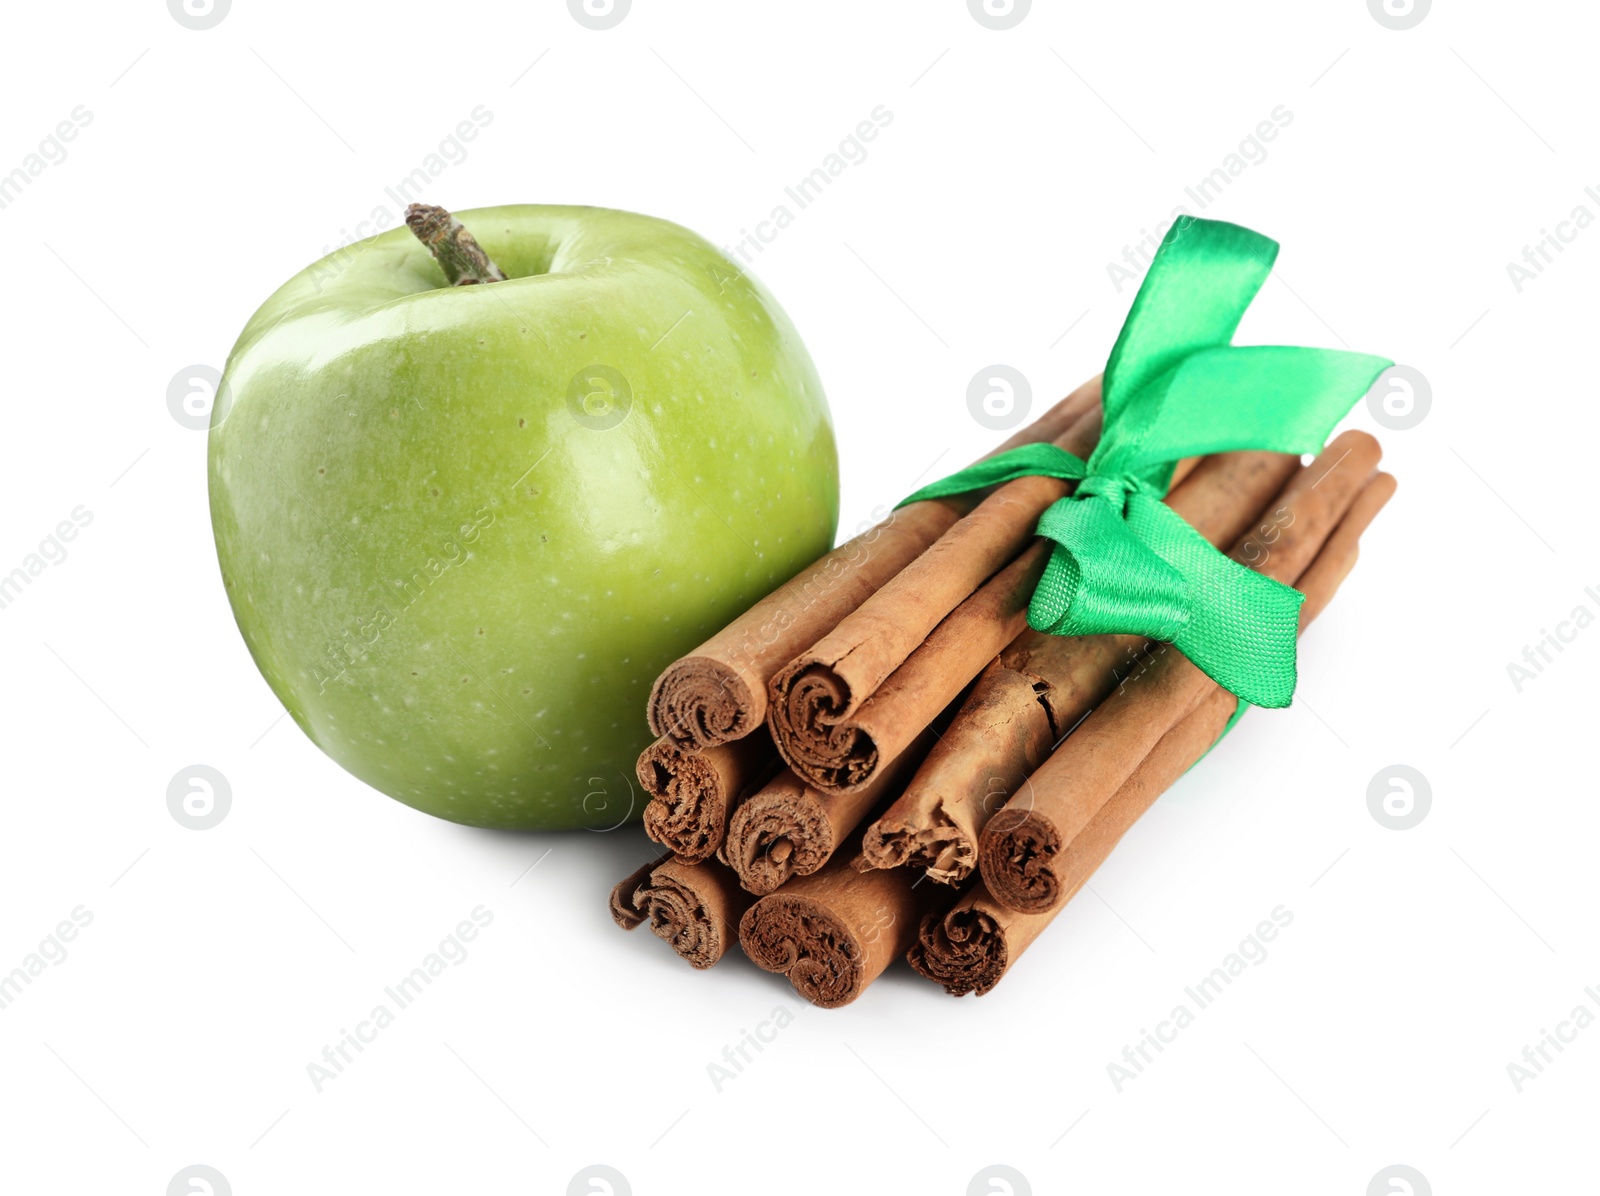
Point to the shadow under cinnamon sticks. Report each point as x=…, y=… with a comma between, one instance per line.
x=970, y=947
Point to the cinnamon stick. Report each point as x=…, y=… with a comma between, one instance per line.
x=932, y=677
x=693, y=908
x=970, y=947
x=623, y=911
x=691, y=791
x=834, y=932
x=1339, y=554
x=718, y=692
x=823, y=688
x=1019, y=845
x=787, y=828
x=1035, y=691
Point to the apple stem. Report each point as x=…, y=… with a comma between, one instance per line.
x=457, y=251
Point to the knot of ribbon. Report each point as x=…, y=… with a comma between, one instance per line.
x=1108, y=486
x=1176, y=386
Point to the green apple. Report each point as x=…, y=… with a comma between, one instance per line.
x=464, y=527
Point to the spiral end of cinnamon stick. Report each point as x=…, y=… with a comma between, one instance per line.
x=1017, y=853
x=964, y=950
x=807, y=707
x=945, y=852
x=688, y=807
x=703, y=701
x=687, y=908
x=775, y=834
x=678, y=919
x=624, y=912
x=805, y=941
x=885, y=846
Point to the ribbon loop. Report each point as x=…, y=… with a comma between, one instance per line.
x=1175, y=386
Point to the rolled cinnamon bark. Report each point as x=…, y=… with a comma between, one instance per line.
x=1019, y=845
x=931, y=678
x=623, y=912
x=1037, y=689
x=718, y=692
x=826, y=685
x=787, y=828
x=834, y=932
x=691, y=791
x=971, y=946
x=1339, y=554
x=1319, y=582
x=694, y=908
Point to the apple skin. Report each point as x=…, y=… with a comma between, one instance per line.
x=453, y=567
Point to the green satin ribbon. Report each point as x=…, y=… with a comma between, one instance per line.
x=1175, y=386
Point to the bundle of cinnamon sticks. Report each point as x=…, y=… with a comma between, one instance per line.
x=881, y=759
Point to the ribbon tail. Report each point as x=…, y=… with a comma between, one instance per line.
x=1248, y=645
x=1242, y=626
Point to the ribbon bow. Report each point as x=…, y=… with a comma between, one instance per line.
x=1175, y=386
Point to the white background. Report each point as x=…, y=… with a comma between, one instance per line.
x=978, y=230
